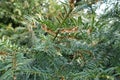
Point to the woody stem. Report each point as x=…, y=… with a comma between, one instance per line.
x=66, y=16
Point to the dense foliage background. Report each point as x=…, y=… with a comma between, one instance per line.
x=55, y=40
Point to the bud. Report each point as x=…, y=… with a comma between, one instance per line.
x=71, y=2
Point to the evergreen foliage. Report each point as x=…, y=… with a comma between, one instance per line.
x=45, y=40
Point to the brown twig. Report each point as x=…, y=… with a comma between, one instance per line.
x=67, y=15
